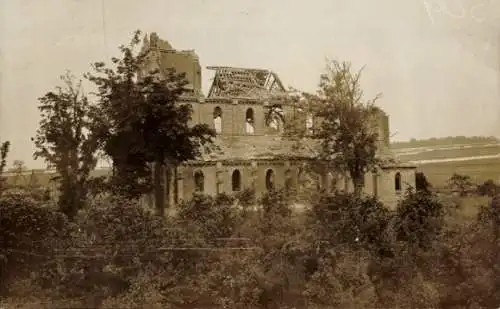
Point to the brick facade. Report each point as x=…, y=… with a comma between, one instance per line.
x=252, y=157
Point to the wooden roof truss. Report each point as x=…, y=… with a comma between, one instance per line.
x=245, y=83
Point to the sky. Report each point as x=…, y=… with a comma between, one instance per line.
x=436, y=62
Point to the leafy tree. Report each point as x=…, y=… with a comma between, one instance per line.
x=66, y=141
x=421, y=182
x=143, y=122
x=346, y=123
x=4, y=150
x=19, y=168
x=462, y=183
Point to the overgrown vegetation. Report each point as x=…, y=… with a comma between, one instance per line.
x=4, y=151
x=344, y=250
x=347, y=122
x=141, y=123
x=67, y=141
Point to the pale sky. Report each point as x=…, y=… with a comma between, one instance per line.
x=434, y=69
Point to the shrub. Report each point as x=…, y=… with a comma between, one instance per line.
x=419, y=218
x=344, y=218
x=30, y=232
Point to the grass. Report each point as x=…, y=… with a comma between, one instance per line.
x=431, y=154
x=479, y=170
x=464, y=209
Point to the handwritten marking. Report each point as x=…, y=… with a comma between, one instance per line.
x=478, y=16
x=474, y=15
x=460, y=4
x=429, y=11
x=459, y=12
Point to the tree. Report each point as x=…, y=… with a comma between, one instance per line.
x=421, y=182
x=461, y=183
x=143, y=122
x=488, y=188
x=346, y=127
x=4, y=150
x=66, y=141
x=19, y=168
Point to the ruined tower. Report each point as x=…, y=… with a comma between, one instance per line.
x=161, y=55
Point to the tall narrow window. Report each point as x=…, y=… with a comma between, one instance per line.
x=309, y=123
x=218, y=120
x=333, y=182
x=249, y=122
x=317, y=180
x=375, y=183
x=236, y=180
x=199, y=181
x=397, y=182
x=275, y=118
x=270, y=180
x=300, y=180
x=288, y=180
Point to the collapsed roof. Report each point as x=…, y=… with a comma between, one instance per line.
x=245, y=83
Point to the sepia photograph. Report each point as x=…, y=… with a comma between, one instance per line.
x=250, y=154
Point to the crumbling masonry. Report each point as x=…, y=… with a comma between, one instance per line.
x=252, y=151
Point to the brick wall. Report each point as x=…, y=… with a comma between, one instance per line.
x=218, y=176
x=388, y=194
x=234, y=116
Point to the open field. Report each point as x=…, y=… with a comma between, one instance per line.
x=480, y=161
x=448, y=152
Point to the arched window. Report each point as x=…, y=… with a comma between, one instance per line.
x=236, y=180
x=270, y=180
x=333, y=182
x=218, y=120
x=317, y=180
x=249, y=122
x=309, y=123
x=347, y=181
x=275, y=118
x=199, y=181
x=397, y=182
x=288, y=180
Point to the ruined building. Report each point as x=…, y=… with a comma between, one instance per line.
x=245, y=108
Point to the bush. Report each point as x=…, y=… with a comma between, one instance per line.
x=488, y=188
x=30, y=233
x=419, y=218
x=344, y=251
x=344, y=218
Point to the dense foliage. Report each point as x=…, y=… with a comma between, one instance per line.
x=345, y=251
x=346, y=127
x=4, y=150
x=66, y=140
x=141, y=122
